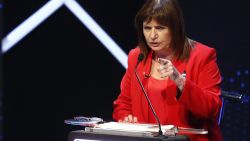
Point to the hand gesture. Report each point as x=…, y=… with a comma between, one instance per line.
x=167, y=69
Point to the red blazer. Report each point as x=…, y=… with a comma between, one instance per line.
x=199, y=104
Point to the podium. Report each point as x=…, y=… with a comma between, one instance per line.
x=82, y=135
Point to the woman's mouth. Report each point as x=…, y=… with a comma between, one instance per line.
x=154, y=44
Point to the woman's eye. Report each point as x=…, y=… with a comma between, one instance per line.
x=147, y=28
x=160, y=27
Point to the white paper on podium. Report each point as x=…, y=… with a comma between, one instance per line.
x=136, y=129
x=133, y=129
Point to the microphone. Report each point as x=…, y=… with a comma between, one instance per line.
x=233, y=96
x=140, y=58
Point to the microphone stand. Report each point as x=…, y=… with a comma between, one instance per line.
x=160, y=134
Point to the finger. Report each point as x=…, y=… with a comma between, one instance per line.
x=125, y=119
x=172, y=72
x=170, y=69
x=119, y=120
x=130, y=118
x=174, y=75
x=161, y=67
x=164, y=75
x=165, y=70
x=168, y=65
x=135, y=120
x=163, y=61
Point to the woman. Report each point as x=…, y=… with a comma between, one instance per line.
x=180, y=75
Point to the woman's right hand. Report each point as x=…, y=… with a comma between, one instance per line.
x=129, y=119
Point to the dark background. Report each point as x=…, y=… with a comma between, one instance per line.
x=1, y=79
x=60, y=70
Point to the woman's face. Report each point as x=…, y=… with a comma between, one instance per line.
x=157, y=37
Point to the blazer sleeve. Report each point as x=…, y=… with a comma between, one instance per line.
x=122, y=105
x=202, y=94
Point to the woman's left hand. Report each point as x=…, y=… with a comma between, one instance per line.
x=167, y=69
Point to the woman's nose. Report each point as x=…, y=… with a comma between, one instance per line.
x=153, y=34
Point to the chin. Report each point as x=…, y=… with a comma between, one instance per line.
x=156, y=48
